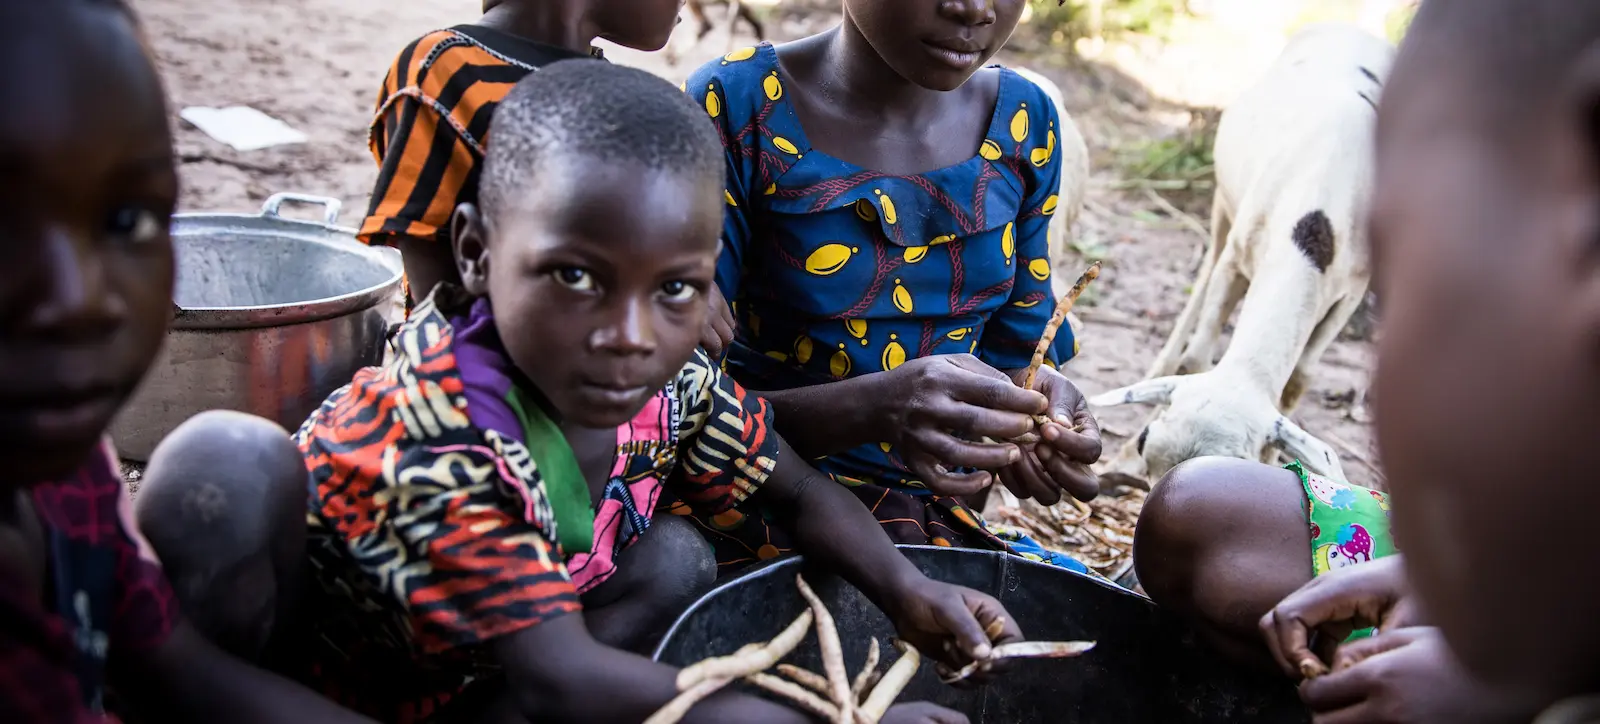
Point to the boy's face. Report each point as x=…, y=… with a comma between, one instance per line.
x=639, y=24
x=1488, y=384
x=598, y=280
x=935, y=45
x=87, y=189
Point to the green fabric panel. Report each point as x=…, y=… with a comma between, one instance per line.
x=1349, y=525
x=558, y=470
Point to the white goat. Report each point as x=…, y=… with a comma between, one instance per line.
x=1294, y=160
x=1074, y=184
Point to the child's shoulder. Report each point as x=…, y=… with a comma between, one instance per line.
x=420, y=56
x=1020, y=85
x=448, y=51
x=415, y=396
x=739, y=75
x=698, y=372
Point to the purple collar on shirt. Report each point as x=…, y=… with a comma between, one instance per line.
x=486, y=371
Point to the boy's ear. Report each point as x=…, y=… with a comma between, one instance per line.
x=470, y=241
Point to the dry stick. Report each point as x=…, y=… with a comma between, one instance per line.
x=1062, y=307
x=868, y=671
x=797, y=694
x=1186, y=219
x=832, y=653
x=747, y=660
x=893, y=682
x=809, y=679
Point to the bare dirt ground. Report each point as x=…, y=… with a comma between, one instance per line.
x=317, y=64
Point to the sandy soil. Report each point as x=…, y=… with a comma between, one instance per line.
x=317, y=64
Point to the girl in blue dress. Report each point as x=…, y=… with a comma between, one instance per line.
x=886, y=261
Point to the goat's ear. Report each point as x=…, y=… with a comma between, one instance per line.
x=1301, y=445
x=1156, y=391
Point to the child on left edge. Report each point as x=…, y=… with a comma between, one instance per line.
x=89, y=184
x=483, y=533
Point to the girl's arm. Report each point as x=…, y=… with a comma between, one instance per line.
x=825, y=419
x=834, y=529
x=728, y=451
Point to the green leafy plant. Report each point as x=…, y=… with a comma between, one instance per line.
x=1073, y=19
x=1177, y=162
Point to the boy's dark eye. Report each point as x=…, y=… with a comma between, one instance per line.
x=575, y=278
x=678, y=291
x=136, y=224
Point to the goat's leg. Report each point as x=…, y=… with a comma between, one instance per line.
x=1326, y=332
x=1167, y=360
x=697, y=10
x=669, y=52
x=1223, y=292
x=736, y=10
x=749, y=16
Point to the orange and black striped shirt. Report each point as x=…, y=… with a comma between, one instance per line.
x=432, y=123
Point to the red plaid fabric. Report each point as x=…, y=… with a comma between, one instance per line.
x=104, y=596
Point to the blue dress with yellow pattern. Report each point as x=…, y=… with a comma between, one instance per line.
x=835, y=271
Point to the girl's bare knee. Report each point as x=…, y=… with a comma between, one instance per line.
x=677, y=560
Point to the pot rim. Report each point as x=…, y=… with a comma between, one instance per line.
x=277, y=315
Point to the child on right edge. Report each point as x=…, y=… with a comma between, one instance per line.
x=1486, y=250
x=483, y=534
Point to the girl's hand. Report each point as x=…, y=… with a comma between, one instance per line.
x=718, y=331
x=947, y=623
x=1061, y=460
x=936, y=409
x=921, y=712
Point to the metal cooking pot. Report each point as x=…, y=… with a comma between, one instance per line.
x=270, y=316
x=1149, y=668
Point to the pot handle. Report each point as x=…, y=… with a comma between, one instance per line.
x=330, y=206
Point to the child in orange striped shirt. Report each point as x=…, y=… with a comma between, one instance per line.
x=432, y=120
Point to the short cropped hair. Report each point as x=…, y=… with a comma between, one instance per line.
x=593, y=111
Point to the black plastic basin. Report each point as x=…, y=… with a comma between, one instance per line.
x=1147, y=667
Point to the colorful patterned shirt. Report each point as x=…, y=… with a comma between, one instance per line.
x=431, y=526
x=836, y=271
x=106, y=599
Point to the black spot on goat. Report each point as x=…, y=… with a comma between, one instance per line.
x=1313, y=236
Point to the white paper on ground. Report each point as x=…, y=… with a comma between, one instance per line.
x=242, y=127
